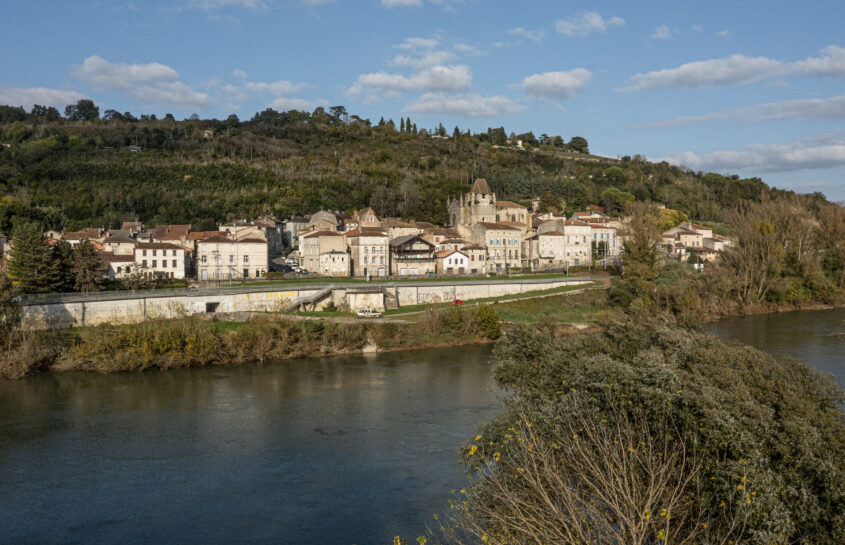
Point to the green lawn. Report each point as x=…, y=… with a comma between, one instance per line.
x=580, y=309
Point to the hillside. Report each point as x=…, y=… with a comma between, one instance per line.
x=74, y=173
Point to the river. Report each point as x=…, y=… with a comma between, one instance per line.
x=817, y=337
x=322, y=451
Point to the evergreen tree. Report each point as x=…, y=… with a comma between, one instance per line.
x=33, y=267
x=10, y=310
x=86, y=261
x=381, y=121
x=63, y=257
x=415, y=129
x=408, y=124
x=401, y=124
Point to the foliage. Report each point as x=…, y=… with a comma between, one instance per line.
x=646, y=432
x=33, y=267
x=86, y=264
x=10, y=310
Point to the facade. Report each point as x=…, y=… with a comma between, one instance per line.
x=452, y=262
x=477, y=258
x=603, y=233
x=119, y=243
x=161, y=259
x=334, y=263
x=369, y=252
x=412, y=255
x=503, y=244
x=315, y=244
x=292, y=228
x=477, y=206
x=225, y=257
x=507, y=211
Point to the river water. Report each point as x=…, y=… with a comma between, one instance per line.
x=321, y=451
x=817, y=337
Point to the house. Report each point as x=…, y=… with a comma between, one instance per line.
x=292, y=228
x=605, y=240
x=548, y=249
x=369, y=251
x=134, y=227
x=75, y=237
x=452, y=262
x=161, y=259
x=334, y=263
x=316, y=243
x=438, y=235
x=477, y=257
x=503, y=244
x=119, y=242
x=271, y=229
x=412, y=255
x=364, y=218
x=397, y=228
x=231, y=257
x=717, y=243
x=117, y=266
x=508, y=211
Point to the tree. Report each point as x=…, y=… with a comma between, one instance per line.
x=83, y=110
x=48, y=113
x=86, y=267
x=137, y=277
x=614, y=200
x=339, y=114
x=549, y=202
x=640, y=249
x=650, y=433
x=579, y=144
x=10, y=310
x=401, y=124
x=33, y=267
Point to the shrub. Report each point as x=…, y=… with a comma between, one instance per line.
x=757, y=446
x=487, y=322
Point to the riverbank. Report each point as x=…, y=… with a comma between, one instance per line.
x=193, y=341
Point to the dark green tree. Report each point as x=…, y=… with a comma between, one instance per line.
x=579, y=144
x=83, y=110
x=86, y=267
x=10, y=310
x=33, y=267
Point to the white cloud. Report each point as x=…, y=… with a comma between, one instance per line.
x=556, y=85
x=280, y=87
x=766, y=158
x=535, y=35
x=317, y=2
x=831, y=63
x=422, y=60
x=152, y=82
x=698, y=28
x=434, y=78
x=724, y=33
x=733, y=70
x=826, y=109
x=284, y=104
x=662, y=32
x=467, y=49
x=239, y=73
x=585, y=23
x=469, y=105
x=27, y=97
x=418, y=43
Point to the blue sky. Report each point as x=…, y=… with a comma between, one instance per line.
x=754, y=87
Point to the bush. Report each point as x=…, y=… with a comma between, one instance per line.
x=757, y=446
x=487, y=322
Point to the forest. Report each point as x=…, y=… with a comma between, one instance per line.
x=86, y=169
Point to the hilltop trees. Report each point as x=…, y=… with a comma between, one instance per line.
x=83, y=110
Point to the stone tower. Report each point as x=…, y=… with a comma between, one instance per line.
x=470, y=208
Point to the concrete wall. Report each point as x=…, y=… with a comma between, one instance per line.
x=138, y=307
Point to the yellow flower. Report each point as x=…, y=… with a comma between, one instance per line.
x=478, y=438
x=472, y=450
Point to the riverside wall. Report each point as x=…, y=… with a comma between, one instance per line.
x=65, y=310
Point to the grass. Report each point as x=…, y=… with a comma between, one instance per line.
x=563, y=309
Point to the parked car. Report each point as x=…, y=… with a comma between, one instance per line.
x=367, y=312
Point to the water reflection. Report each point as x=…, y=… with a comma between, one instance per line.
x=334, y=450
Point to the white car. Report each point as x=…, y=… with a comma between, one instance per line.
x=368, y=312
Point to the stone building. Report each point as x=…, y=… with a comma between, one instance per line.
x=368, y=252
x=469, y=209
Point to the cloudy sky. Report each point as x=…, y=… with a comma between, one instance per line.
x=753, y=87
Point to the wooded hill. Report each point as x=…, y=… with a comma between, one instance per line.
x=76, y=171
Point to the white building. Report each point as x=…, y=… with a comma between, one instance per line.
x=161, y=259
x=224, y=257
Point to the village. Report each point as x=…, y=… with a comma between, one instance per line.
x=485, y=236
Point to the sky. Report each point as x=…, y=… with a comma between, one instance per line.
x=755, y=88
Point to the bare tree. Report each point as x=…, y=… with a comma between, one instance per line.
x=603, y=478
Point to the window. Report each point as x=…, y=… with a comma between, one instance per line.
x=174, y=263
x=246, y=260
x=154, y=254
x=144, y=263
x=203, y=260
x=231, y=260
x=155, y=262
x=246, y=273
x=144, y=253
